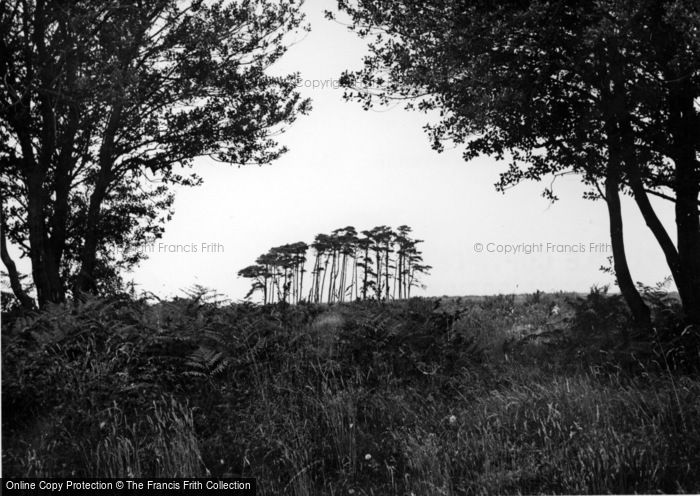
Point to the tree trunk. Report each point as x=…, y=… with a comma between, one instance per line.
x=301, y=279
x=45, y=270
x=313, y=292
x=341, y=278
x=681, y=267
x=331, y=280
x=685, y=126
x=387, y=287
x=323, y=278
x=64, y=169
x=88, y=256
x=684, y=261
x=623, y=156
x=688, y=227
x=640, y=312
x=365, y=269
x=15, y=283
x=379, y=273
x=685, y=134
x=264, y=290
x=354, y=276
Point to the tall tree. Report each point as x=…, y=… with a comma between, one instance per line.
x=344, y=257
x=603, y=89
x=320, y=246
x=100, y=100
x=365, y=264
x=404, y=247
x=347, y=238
x=260, y=275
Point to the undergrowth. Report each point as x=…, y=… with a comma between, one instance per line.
x=426, y=397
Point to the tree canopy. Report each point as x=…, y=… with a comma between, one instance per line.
x=379, y=263
x=104, y=105
x=606, y=90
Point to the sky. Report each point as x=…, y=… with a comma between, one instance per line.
x=347, y=166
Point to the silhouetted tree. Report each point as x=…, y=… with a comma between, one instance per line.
x=607, y=90
x=260, y=276
x=99, y=99
x=343, y=260
x=365, y=264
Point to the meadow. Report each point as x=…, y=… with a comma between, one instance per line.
x=527, y=394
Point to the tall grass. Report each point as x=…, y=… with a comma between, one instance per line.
x=160, y=444
x=361, y=399
x=578, y=435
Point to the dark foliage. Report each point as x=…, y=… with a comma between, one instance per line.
x=387, y=398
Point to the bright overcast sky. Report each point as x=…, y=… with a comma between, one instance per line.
x=346, y=166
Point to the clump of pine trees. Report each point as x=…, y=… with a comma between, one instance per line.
x=380, y=263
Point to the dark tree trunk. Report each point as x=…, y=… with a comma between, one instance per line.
x=45, y=270
x=64, y=169
x=264, y=290
x=623, y=157
x=386, y=272
x=681, y=266
x=88, y=255
x=15, y=283
x=331, y=279
x=315, y=273
x=301, y=280
x=365, y=269
x=640, y=312
x=379, y=273
x=685, y=130
x=323, y=277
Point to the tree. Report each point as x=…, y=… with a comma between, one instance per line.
x=280, y=271
x=407, y=256
x=101, y=106
x=605, y=90
x=380, y=239
x=260, y=276
x=323, y=246
x=341, y=256
x=365, y=264
x=320, y=246
x=347, y=239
